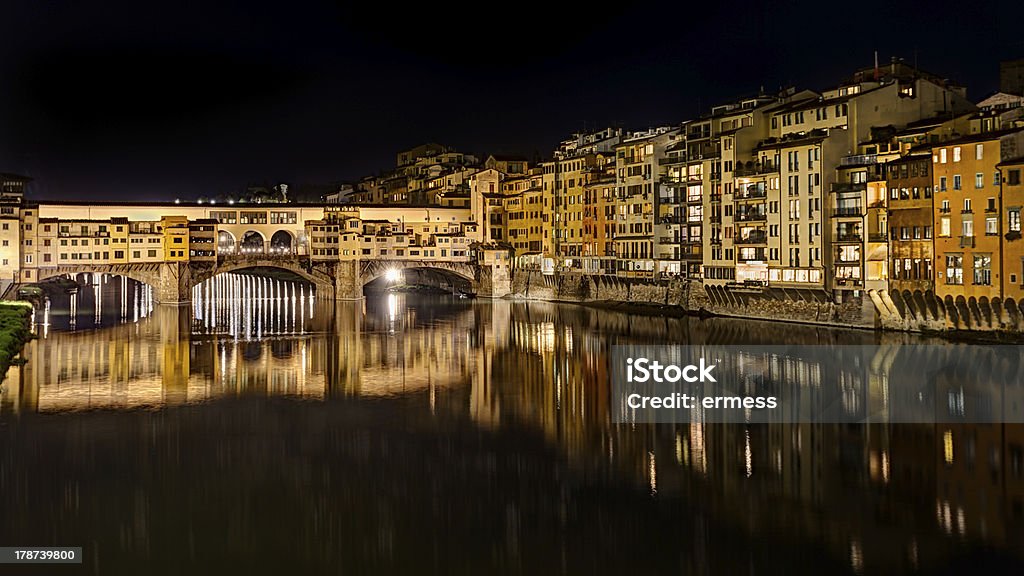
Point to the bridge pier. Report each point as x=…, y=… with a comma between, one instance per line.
x=493, y=281
x=174, y=286
x=348, y=284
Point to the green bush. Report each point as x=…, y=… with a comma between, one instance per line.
x=15, y=331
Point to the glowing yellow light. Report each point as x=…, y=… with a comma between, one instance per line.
x=393, y=275
x=947, y=446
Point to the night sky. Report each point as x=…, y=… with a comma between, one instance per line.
x=157, y=100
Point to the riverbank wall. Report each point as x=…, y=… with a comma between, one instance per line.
x=910, y=312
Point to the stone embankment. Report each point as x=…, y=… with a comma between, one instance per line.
x=917, y=312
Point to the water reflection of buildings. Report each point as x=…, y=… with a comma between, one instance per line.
x=872, y=494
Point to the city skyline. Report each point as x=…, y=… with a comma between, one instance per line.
x=186, y=104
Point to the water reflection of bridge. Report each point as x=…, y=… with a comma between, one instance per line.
x=274, y=346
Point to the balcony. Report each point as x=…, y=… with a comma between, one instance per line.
x=755, y=169
x=669, y=160
x=849, y=237
x=848, y=212
x=859, y=160
x=849, y=282
x=671, y=220
x=753, y=238
x=878, y=238
x=944, y=209
x=716, y=197
x=691, y=252
x=754, y=256
x=750, y=217
x=967, y=241
x=751, y=192
x=706, y=151
x=716, y=219
x=840, y=187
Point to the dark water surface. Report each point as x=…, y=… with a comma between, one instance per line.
x=272, y=433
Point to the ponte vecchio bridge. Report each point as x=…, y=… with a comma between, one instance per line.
x=174, y=247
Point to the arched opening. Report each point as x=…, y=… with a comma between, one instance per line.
x=281, y=243
x=88, y=300
x=226, y=243
x=253, y=302
x=419, y=280
x=252, y=243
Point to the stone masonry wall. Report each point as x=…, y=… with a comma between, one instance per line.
x=689, y=296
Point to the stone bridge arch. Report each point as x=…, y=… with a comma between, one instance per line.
x=165, y=279
x=323, y=280
x=145, y=274
x=370, y=270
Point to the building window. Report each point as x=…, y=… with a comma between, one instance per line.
x=1013, y=220
x=967, y=227
x=991, y=226
x=979, y=151
x=944, y=228
x=942, y=156
x=956, y=182
x=954, y=269
x=983, y=269
x=1013, y=177
x=942, y=183
x=956, y=154
x=979, y=180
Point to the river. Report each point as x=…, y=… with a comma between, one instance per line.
x=262, y=431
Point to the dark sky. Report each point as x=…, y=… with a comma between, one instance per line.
x=157, y=100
